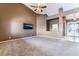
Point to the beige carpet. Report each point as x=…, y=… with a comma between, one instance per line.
x=39, y=46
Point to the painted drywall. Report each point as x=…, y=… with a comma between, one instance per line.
x=12, y=17
x=41, y=27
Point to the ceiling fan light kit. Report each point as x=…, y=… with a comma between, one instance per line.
x=39, y=7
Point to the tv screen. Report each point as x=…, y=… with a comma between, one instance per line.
x=27, y=26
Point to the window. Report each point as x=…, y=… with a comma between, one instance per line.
x=55, y=27
x=77, y=27
x=70, y=27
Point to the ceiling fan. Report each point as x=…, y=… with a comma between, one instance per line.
x=39, y=7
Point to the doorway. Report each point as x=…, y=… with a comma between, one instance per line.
x=73, y=31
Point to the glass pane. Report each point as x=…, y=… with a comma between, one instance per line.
x=55, y=27
x=70, y=29
x=77, y=29
x=73, y=31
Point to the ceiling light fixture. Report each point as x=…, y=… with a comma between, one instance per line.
x=39, y=7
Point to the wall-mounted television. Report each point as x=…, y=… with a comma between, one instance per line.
x=27, y=26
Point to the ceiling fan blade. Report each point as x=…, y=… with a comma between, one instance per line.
x=35, y=9
x=41, y=10
x=44, y=6
x=34, y=6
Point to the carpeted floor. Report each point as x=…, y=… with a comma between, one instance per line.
x=39, y=46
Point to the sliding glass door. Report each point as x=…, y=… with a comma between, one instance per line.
x=73, y=30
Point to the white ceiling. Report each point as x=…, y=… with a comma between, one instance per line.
x=71, y=16
x=52, y=8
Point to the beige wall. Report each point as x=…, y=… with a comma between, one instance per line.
x=41, y=24
x=41, y=27
x=12, y=17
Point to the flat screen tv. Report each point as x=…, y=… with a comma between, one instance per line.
x=27, y=26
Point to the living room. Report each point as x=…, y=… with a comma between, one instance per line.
x=39, y=29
